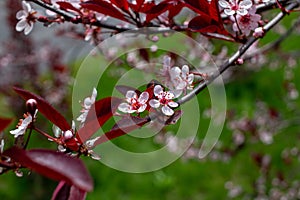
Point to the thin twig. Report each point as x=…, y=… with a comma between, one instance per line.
x=231, y=61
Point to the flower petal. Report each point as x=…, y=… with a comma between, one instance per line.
x=124, y=107
x=173, y=104
x=143, y=98
x=167, y=111
x=242, y=12
x=21, y=14
x=131, y=94
x=28, y=29
x=154, y=103
x=142, y=108
x=228, y=11
x=157, y=90
x=21, y=25
x=246, y=4
x=26, y=7
x=224, y=4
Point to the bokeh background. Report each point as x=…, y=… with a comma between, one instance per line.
x=257, y=156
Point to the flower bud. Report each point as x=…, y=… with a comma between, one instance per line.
x=31, y=106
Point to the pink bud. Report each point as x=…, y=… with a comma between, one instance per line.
x=31, y=106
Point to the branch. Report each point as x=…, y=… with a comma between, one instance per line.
x=276, y=43
x=231, y=61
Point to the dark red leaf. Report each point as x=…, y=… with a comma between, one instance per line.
x=123, y=4
x=61, y=192
x=122, y=127
x=123, y=89
x=54, y=165
x=77, y=194
x=68, y=6
x=103, y=7
x=99, y=113
x=4, y=122
x=157, y=10
x=209, y=19
x=46, y=109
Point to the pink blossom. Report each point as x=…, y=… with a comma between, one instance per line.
x=164, y=99
x=134, y=103
x=247, y=23
x=232, y=7
x=181, y=79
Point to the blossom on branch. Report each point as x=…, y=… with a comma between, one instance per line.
x=164, y=99
x=134, y=103
x=182, y=79
x=26, y=18
x=23, y=125
x=86, y=106
x=247, y=23
x=235, y=7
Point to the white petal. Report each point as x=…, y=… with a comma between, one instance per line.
x=2, y=146
x=185, y=70
x=143, y=98
x=246, y=4
x=190, y=78
x=175, y=71
x=21, y=14
x=180, y=85
x=57, y=131
x=90, y=143
x=167, y=111
x=142, y=108
x=173, y=104
x=131, y=94
x=21, y=25
x=28, y=29
x=167, y=61
x=242, y=12
x=223, y=4
x=87, y=103
x=154, y=103
x=94, y=95
x=169, y=95
x=228, y=11
x=124, y=107
x=157, y=90
x=26, y=6
x=26, y=121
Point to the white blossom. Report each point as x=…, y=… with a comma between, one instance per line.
x=86, y=106
x=134, y=103
x=181, y=79
x=164, y=100
x=232, y=7
x=22, y=127
x=24, y=16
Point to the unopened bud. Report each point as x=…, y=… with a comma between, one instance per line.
x=240, y=61
x=31, y=106
x=68, y=135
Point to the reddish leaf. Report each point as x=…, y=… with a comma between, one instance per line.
x=4, y=122
x=54, y=165
x=157, y=10
x=123, y=4
x=66, y=192
x=103, y=7
x=46, y=109
x=209, y=19
x=122, y=127
x=99, y=113
x=67, y=6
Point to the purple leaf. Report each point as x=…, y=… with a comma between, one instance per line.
x=64, y=191
x=54, y=165
x=46, y=109
x=4, y=122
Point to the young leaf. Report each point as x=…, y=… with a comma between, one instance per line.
x=46, y=109
x=54, y=165
x=102, y=6
x=122, y=127
x=157, y=10
x=99, y=113
x=4, y=122
x=122, y=4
